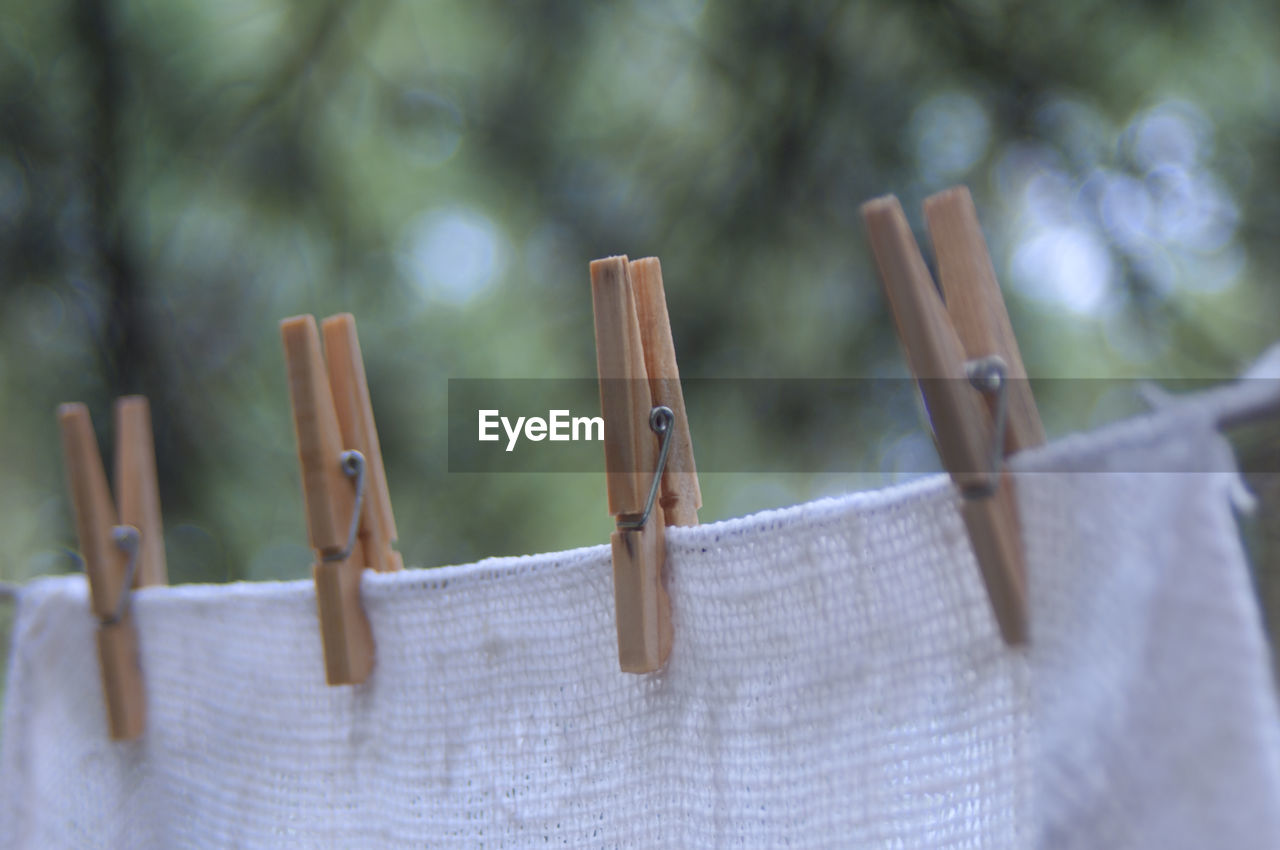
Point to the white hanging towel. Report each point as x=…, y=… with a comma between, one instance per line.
x=836, y=681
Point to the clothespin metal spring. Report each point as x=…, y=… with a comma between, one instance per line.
x=661, y=422
x=353, y=466
x=989, y=375
x=128, y=540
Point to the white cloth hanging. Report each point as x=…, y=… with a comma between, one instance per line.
x=836, y=681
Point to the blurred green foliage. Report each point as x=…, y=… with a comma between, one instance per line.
x=176, y=176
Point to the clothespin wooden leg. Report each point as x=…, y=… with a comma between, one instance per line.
x=105, y=565
x=345, y=634
x=138, y=489
x=962, y=424
x=977, y=308
x=329, y=494
x=355, y=424
x=932, y=348
x=681, y=496
x=122, y=684
x=996, y=537
x=631, y=455
x=640, y=599
x=981, y=320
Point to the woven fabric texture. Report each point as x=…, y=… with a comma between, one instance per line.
x=836, y=681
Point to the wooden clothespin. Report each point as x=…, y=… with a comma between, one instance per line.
x=344, y=485
x=644, y=411
x=120, y=552
x=954, y=350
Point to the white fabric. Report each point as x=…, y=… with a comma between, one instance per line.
x=836, y=681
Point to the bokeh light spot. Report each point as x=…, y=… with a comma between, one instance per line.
x=1065, y=266
x=453, y=255
x=951, y=133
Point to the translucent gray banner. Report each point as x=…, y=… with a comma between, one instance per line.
x=762, y=425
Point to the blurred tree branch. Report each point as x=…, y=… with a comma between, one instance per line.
x=126, y=344
x=307, y=52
